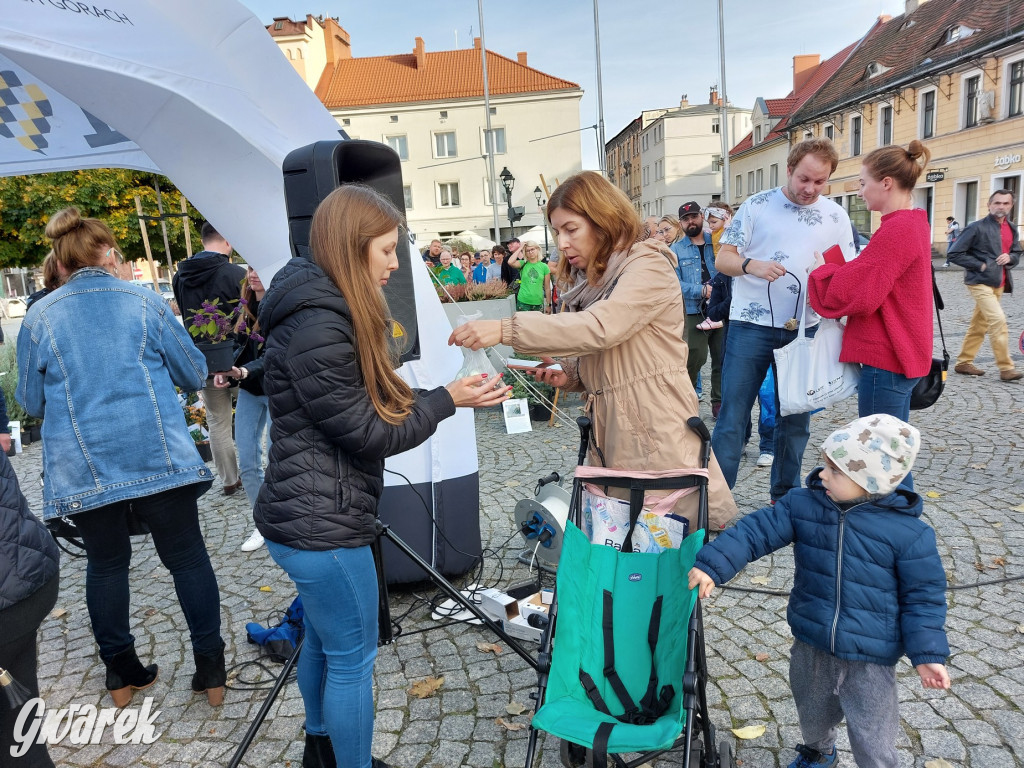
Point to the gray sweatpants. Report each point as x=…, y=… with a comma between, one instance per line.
x=826, y=688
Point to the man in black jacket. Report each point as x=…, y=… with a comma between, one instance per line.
x=987, y=250
x=207, y=276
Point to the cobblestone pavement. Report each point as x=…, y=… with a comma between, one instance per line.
x=970, y=468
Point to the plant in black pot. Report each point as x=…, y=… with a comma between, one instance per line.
x=195, y=418
x=538, y=396
x=213, y=331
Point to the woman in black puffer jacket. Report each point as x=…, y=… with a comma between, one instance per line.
x=29, y=563
x=338, y=410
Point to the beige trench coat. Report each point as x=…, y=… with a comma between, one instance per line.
x=626, y=353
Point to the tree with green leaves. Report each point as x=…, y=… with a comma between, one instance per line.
x=108, y=194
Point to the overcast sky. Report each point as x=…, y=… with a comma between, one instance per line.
x=647, y=60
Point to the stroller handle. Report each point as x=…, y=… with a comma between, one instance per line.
x=585, y=425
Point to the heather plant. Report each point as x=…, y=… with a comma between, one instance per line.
x=211, y=323
x=492, y=289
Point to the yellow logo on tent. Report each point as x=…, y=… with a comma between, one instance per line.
x=24, y=110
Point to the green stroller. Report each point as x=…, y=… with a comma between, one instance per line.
x=626, y=672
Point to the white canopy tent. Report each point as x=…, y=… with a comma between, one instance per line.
x=198, y=91
x=478, y=242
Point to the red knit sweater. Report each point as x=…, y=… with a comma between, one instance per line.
x=886, y=292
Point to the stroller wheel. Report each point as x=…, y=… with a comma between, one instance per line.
x=725, y=759
x=572, y=755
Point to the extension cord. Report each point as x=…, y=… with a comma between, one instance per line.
x=450, y=610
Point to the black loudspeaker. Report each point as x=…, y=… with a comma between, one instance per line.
x=313, y=172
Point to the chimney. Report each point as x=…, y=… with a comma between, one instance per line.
x=804, y=67
x=339, y=44
x=476, y=43
x=683, y=102
x=522, y=57
x=421, y=56
x=713, y=98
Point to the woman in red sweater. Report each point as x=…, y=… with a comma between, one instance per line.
x=886, y=292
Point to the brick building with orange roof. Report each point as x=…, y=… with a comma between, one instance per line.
x=429, y=107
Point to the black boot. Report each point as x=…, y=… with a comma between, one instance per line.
x=125, y=673
x=318, y=753
x=210, y=676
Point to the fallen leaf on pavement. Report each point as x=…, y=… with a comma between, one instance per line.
x=510, y=726
x=150, y=611
x=58, y=613
x=266, y=589
x=937, y=763
x=489, y=648
x=978, y=466
x=515, y=708
x=998, y=561
x=933, y=494
x=979, y=567
x=427, y=687
x=511, y=483
x=750, y=732
x=762, y=657
x=997, y=525
x=1018, y=508
x=759, y=580
x=1020, y=629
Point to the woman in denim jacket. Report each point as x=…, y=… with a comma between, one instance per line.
x=115, y=444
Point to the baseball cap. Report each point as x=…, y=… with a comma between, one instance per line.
x=687, y=208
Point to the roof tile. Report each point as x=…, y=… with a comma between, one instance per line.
x=446, y=75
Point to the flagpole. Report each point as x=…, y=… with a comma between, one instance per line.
x=488, y=136
x=600, y=96
x=724, y=112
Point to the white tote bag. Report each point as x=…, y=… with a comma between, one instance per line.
x=810, y=375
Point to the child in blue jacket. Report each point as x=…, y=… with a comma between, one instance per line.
x=869, y=587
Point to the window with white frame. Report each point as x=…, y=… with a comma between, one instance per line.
x=773, y=175
x=830, y=131
x=1015, y=88
x=885, y=125
x=739, y=184
x=751, y=189
x=757, y=134
x=407, y=193
x=716, y=163
x=448, y=194
x=497, y=139
x=400, y=144
x=659, y=170
x=497, y=194
x=971, y=97
x=645, y=142
x=646, y=175
x=855, y=135
x=760, y=179
x=927, y=100
x=444, y=144
x=716, y=125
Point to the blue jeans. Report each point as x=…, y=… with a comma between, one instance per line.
x=748, y=356
x=173, y=518
x=252, y=423
x=881, y=391
x=338, y=588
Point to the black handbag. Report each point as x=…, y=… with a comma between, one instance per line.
x=930, y=386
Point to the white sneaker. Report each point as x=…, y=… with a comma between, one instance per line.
x=253, y=543
x=765, y=460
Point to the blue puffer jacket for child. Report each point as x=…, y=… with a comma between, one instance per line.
x=869, y=583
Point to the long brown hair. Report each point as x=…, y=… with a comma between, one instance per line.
x=247, y=321
x=76, y=241
x=606, y=207
x=343, y=227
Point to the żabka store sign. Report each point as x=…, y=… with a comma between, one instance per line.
x=1003, y=162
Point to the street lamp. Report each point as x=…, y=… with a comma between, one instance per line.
x=539, y=194
x=508, y=181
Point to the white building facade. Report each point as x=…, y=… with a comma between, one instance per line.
x=429, y=107
x=681, y=156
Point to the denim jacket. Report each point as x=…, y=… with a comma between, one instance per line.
x=689, y=273
x=99, y=359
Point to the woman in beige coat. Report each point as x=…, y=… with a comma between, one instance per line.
x=619, y=338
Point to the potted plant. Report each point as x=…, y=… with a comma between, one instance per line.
x=213, y=331
x=538, y=396
x=195, y=418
